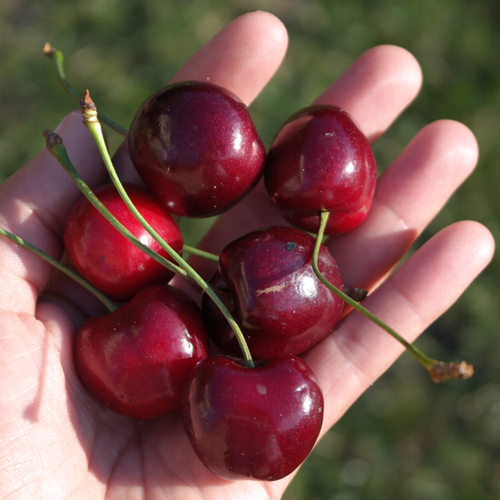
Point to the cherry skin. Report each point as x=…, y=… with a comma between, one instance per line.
x=196, y=147
x=321, y=161
x=267, y=281
x=137, y=359
x=105, y=257
x=258, y=423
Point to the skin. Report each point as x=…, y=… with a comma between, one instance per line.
x=57, y=442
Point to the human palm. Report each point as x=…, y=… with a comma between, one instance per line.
x=57, y=442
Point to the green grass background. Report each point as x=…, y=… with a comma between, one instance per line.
x=405, y=438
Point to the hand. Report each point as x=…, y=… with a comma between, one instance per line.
x=57, y=442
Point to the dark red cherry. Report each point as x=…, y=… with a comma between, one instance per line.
x=267, y=281
x=258, y=423
x=105, y=257
x=137, y=359
x=321, y=161
x=196, y=147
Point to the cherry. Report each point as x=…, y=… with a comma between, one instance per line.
x=266, y=280
x=321, y=161
x=137, y=359
x=259, y=423
x=105, y=257
x=196, y=147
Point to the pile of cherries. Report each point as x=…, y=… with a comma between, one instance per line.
x=196, y=148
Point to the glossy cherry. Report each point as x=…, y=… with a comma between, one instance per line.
x=137, y=359
x=258, y=423
x=105, y=257
x=266, y=279
x=196, y=147
x=321, y=161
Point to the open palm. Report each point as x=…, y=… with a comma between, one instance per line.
x=56, y=442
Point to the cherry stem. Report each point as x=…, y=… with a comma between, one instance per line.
x=89, y=112
x=58, y=58
x=200, y=253
x=57, y=149
x=438, y=370
x=58, y=265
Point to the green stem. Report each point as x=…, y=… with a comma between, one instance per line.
x=200, y=253
x=58, y=58
x=90, y=119
x=438, y=370
x=66, y=270
x=57, y=149
x=89, y=112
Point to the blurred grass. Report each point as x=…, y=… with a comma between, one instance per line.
x=405, y=438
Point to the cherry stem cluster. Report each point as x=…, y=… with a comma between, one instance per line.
x=89, y=112
x=438, y=370
x=58, y=265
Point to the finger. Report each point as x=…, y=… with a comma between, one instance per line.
x=33, y=204
x=376, y=88
x=375, y=97
x=408, y=196
x=358, y=352
x=242, y=57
